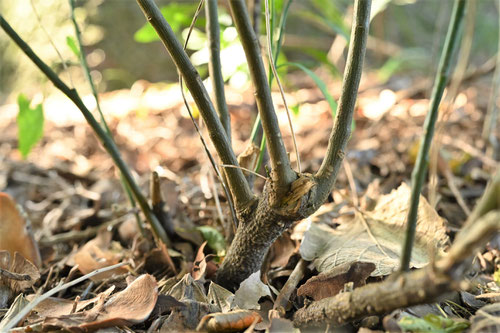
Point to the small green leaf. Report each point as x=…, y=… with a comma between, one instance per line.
x=214, y=239
x=70, y=41
x=295, y=109
x=30, y=125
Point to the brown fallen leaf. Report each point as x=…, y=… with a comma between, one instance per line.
x=130, y=306
x=15, y=232
x=97, y=253
x=200, y=264
x=18, y=274
x=233, y=321
x=331, y=282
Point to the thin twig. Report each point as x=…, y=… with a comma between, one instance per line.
x=86, y=71
x=215, y=67
x=28, y=308
x=202, y=139
x=420, y=169
x=275, y=72
x=14, y=276
x=63, y=62
x=491, y=118
x=282, y=172
x=244, y=169
x=108, y=144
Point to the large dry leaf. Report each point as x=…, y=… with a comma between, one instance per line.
x=130, y=306
x=376, y=236
x=15, y=232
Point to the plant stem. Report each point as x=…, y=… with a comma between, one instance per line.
x=108, y=144
x=419, y=172
x=491, y=118
x=86, y=71
x=237, y=182
x=214, y=65
x=341, y=131
x=282, y=173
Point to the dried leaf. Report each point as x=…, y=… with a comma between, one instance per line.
x=330, y=283
x=200, y=264
x=20, y=267
x=376, y=236
x=234, y=321
x=130, y=306
x=250, y=291
x=98, y=253
x=15, y=231
x=220, y=297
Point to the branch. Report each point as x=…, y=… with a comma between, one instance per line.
x=237, y=182
x=417, y=287
x=420, y=169
x=282, y=173
x=341, y=131
x=108, y=144
x=214, y=65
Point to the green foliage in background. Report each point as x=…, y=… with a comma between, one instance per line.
x=29, y=124
x=432, y=323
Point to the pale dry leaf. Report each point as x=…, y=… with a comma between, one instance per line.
x=250, y=291
x=221, y=297
x=376, y=236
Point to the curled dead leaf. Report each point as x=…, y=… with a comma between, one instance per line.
x=234, y=321
x=330, y=283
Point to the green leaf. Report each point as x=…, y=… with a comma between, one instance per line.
x=214, y=239
x=433, y=323
x=70, y=41
x=295, y=109
x=321, y=85
x=30, y=125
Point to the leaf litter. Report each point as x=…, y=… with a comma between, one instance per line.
x=80, y=219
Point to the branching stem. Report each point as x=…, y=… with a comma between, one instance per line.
x=237, y=182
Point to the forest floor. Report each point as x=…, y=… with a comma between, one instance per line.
x=81, y=219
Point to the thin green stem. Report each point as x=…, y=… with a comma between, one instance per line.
x=214, y=65
x=282, y=173
x=86, y=71
x=419, y=172
x=282, y=92
x=236, y=180
x=341, y=130
x=108, y=144
x=491, y=118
